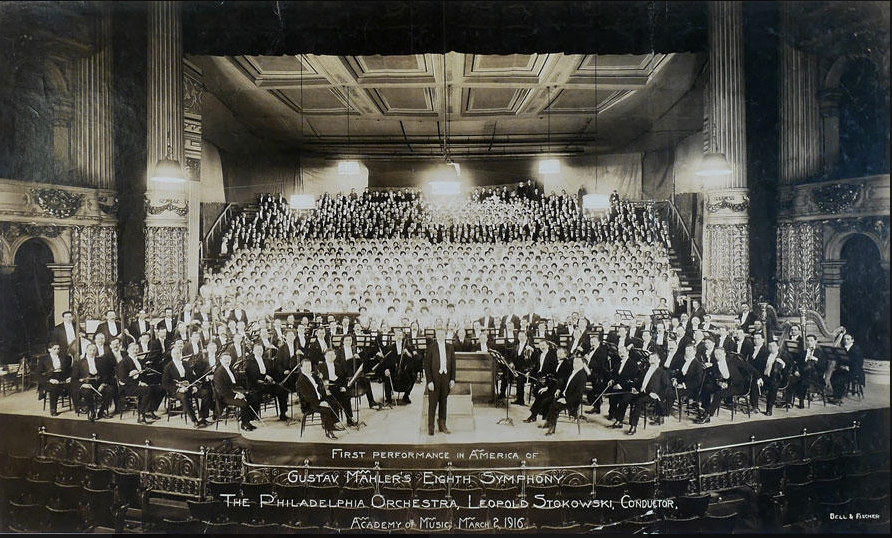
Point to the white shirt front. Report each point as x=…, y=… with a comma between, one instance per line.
x=348, y=352
x=686, y=365
x=723, y=369
x=136, y=362
x=69, y=332
x=647, y=376
x=57, y=363
x=770, y=363
x=231, y=376
x=331, y=370
x=441, y=347
x=112, y=328
x=260, y=364
x=179, y=366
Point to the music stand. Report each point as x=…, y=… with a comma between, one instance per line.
x=625, y=315
x=359, y=372
x=500, y=360
x=420, y=343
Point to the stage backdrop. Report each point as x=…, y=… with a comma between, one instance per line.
x=598, y=174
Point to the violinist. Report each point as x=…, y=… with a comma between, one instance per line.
x=404, y=374
x=545, y=363
x=55, y=374
x=93, y=381
x=335, y=376
x=543, y=389
x=621, y=380
x=203, y=366
x=380, y=363
x=260, y=377
x=350, y=357
x=810, y=366
x=228, y=392
x=598, y=360
x=132, y=376
x=177, y=380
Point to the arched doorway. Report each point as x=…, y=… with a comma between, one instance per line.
x=33, y=295
x=864, y=296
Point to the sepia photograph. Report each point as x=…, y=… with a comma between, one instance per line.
x=444, y=267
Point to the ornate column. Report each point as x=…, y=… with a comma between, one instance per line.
x=93, y=122
x=800, y=124
x=799, y=244
x=726, y=221
x=167, y=205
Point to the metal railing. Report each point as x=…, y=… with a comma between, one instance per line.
x=162, y=470
x=729, y=466
x=213, y=234
x=185, y=473
x=682, y=239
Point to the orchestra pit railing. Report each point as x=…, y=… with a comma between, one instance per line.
x=185, y=473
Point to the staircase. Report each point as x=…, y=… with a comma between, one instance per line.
x=210, y=244
x=684, y=254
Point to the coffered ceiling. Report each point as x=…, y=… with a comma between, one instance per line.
x=495, y=104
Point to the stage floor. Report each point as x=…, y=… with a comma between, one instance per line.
x=402, y=424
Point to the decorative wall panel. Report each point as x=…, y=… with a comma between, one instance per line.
x=94, y=259
x=725, y=267
x=166, y=259
x=800, y=247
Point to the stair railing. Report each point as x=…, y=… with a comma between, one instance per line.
x=216, y=231
x=682, y=239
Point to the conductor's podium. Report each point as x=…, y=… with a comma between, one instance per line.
x=473, y=384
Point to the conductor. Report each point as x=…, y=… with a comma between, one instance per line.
x=439, y=368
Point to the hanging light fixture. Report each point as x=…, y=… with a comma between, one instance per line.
x=550, y=165
x=348, y=167
x=301, y=201
x=714, y=163
x=168, y=169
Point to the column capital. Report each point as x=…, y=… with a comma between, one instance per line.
x=727, y=206
x=832, y=272
x=7, y=270
x=61, y=274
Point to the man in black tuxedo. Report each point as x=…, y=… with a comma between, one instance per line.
x=622, y=379
x=170, y=324
x=543, y=394
x=54, y=372
x=318, y=346
x=808, y=371
x=110, y=328
x=226, y=385
x=175, y=380
x=728, y=376
x=237, y=350
x=194, y=346
x=65, y=333
x=578, y=342
x=439, y=370
x=687, y=381
x=91, y=384
x=772, y=368
x=651, y=384
x=313, y=396
x=598, y=360
x=568, y=395
x=260, y=379
x=746, y=318
x=724, y=340
x=487, y=321
x=130, y=384
x=140, y=326
x=544, y=364
x=334, y=374
x=852, y=367
x=520, y=356
x=743, y=344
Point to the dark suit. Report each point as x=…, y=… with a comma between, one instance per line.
x=487, y=323
x=314, y=351
x=809, y=371
x=170, y=378
x=772, y=381
x=286, y=360
x=739, y=380
x=658, y=384
x=150, y=396
x=625, y=376
x=47, y=372
x=748, y=321
x=599, y=361
x=571, y=394
x=515, y=355
x=312, y=399
x=101, y=381
x=226, y=395
x=105, y=329
x=744, y=349
x=852, y=367
x=60, y=336
x=438, y=397
x=544, y=395
x=256, y=382
x=692, y=380
x=171, y=326
x=578, y=345
x=337, y=382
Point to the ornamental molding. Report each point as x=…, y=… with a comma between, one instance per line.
x=13, y=230
x=57, y=203
x=836, y=198
x=167, y=205
x=717, y=203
